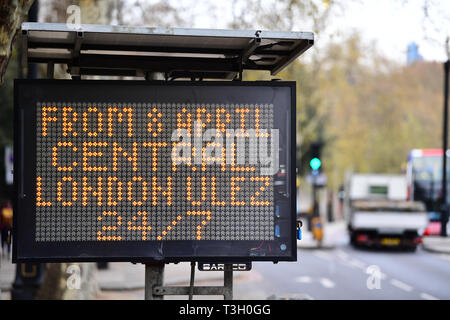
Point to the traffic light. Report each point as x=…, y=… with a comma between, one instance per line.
x=315, y=163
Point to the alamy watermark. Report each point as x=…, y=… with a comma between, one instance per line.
x=73, y=21
x=374, y=279
x=212, y=146
x=73, y=282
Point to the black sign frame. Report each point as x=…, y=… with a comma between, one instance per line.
x=28, y=92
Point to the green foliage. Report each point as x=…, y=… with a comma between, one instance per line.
x=378, y=111
x=367, y=111
x=311, y=114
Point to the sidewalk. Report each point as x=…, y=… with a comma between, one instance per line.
x=127, y=276
x=7, y=275
x=436, y=244
x=334, y=234
x=123, y=276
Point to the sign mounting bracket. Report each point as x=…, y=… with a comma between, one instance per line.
x=155, y=290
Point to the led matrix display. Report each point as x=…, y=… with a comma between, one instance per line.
x=141, y=171
x=105, y=172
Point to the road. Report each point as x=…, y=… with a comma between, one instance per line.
x=348, y=273
x=340, y=273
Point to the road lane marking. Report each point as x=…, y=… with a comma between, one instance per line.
x=345, y=259
x=358, y=264
x=323, y=255
x=303, y=279
x=444, y=256
x=427, y=296
x=327, y=283
x=342, y=255
x=401, y=285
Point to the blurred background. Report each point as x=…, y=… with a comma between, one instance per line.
x=370, y=106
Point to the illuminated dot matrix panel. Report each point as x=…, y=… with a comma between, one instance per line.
x=105, y=172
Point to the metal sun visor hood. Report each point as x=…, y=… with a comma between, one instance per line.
x=175, y=52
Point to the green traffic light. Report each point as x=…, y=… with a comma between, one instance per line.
x=315, y=163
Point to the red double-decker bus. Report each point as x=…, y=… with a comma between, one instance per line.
x=424, y=176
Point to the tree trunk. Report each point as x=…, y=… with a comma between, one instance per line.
x=12, y=13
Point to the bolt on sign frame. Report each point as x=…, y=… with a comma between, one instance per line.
x=96, y=171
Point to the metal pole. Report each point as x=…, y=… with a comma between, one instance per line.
x=313, y=212
x=315, y=202
x=444, y=209
x=154, y=277
x=228, y=282
x=330, y=214
x=191, y=284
